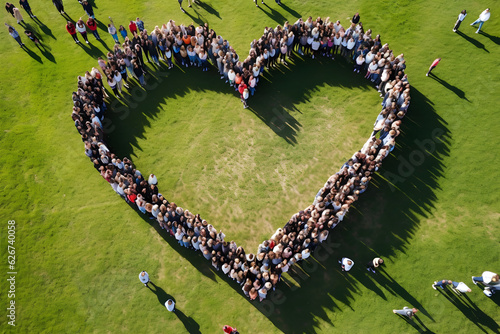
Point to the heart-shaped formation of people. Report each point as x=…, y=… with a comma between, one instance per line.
x=258, y=273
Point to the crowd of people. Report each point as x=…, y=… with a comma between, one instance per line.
x=258, y=273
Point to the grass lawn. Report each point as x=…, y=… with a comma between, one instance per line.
x=79, y=247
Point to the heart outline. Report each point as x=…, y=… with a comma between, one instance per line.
x=315, y=203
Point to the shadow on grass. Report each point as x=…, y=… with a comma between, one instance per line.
x=460, y=93
x=32, y=54
x=46, y=30
x=292, y=12
x=416, y=323
x=380, y=224
x=272, y=13
x=494, y=39
x=463, y=303
x=189, y=323
x=473, y=41
x=90, y=49
x=206, y=7
x=199, y=19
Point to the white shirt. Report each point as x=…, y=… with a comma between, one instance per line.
x=487, y=276
x=485, y=16
x=144, y=279
x=461, y=16
x=347, y=266
x=171, y=306
x=462, y=287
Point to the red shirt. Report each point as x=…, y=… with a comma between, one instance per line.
x=227, y=329
x=92, y=25
x=435, y=62
x=71, y=29
x=132, y=27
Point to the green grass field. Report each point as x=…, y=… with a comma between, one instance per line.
x=80, y=248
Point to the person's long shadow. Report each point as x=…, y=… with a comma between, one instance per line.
x=90, y=49
x=396, y=289
x=46, y=30
x=189, y=323
x=422, y=328
x=199, y=19
x=47, y=54
x=104, y=44
x=291, y=11
x=33, y=54
x=273, y=14
x=460, y=93
x=471, y=40
x=471, y=311
x=494, y=39
x=160, y=294
x=208, y=9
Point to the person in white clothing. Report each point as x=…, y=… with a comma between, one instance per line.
x=144, y=278
x=488, y=278
x=170, y=305
x=461, y=17
x=346, y=263
x=483, y=17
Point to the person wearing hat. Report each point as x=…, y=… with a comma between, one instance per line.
x=375, y=263
x=144, y=278
x=346, y=264
x=170, y=305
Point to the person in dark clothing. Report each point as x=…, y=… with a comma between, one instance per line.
x=26, y=7
x=87, y=7
x=59, y=5
x=10, y=8
x=356, y=18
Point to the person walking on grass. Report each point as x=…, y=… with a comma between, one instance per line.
x=144, y=278
x=59, y=6
x=82, y=29
x=483, y=17
x=406, y=312
x=170, y=305
x=375, y=263
x=26, y=6
x=92, y=24
x=31, y=35
x=13, y=32
x=112, y=30
x=18, y=15
x=461, y=17
x=87, y=7
x=433, y=65
x=70, y=27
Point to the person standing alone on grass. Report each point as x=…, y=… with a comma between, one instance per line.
x=170, y=305
x=144, y=278
x=375, y=263
x=483, y=17
x=461, y=17
x=433, y=65
x=406, y=312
